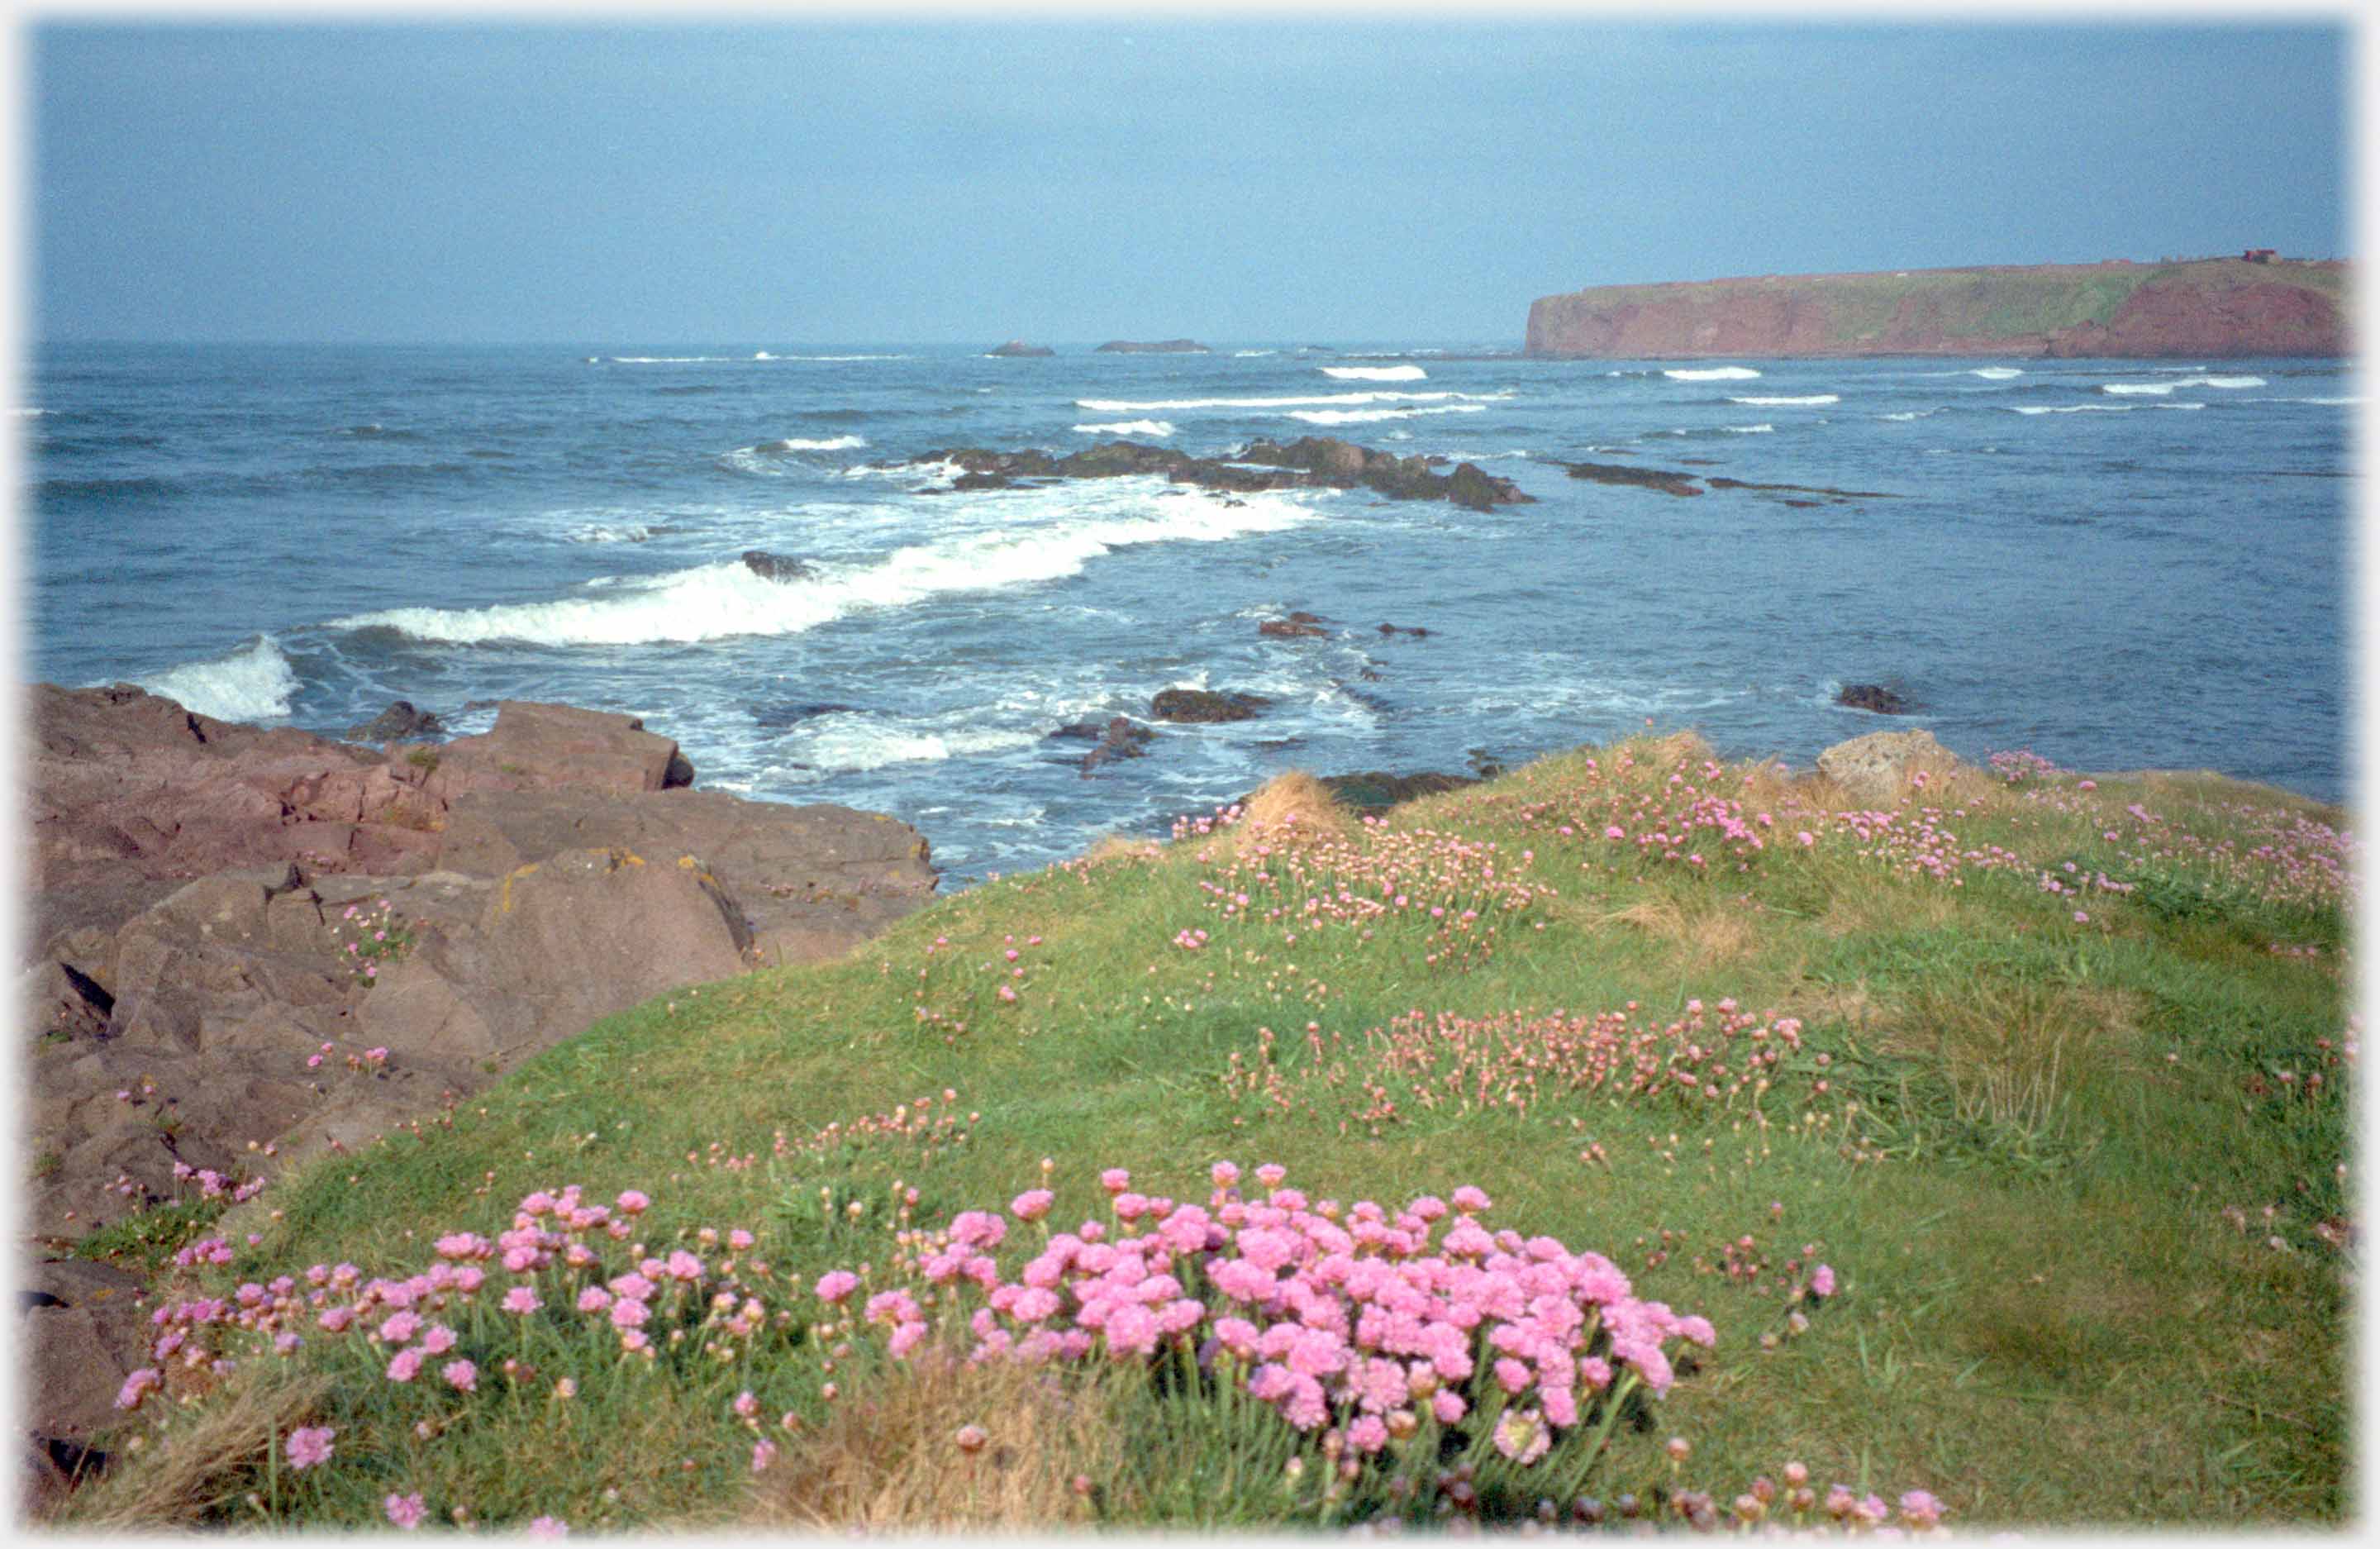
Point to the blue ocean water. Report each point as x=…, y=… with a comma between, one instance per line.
x=2116, y=564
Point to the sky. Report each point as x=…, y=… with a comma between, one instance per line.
x=1073, y=178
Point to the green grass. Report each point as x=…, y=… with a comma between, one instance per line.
x=2013, y=1135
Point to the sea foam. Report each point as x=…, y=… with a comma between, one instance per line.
x=1712, y=373
x=1995, y=374
x=1129, y=427
x=1809, y=398
x=1373, y=416
x=1048, y=535
x=253, y=683
x=1375, y=374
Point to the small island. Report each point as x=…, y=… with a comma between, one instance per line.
x=1018, y=349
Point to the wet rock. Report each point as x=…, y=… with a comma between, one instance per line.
x=1310, y=462
x=399, y=723
x=1664, y=480
x=1122, y=737
x=1290, y=629
x=1828, y=489
x=1416, y=630
x=775, y=566
x=1872, y=697
x=1199, y=706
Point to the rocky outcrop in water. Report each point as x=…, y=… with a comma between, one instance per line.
x=1201, y=706
x=2206, y=308
x=1872, y=697
x=775, y=566
x=1311, y=462
x=1017, y=349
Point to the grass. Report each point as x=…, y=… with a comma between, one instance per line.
x=2077, y=1176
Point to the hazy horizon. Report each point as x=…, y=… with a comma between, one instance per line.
x=1069, y=182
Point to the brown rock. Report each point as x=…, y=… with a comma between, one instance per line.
x=1876, y=768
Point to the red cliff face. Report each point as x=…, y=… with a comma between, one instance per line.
x=2213, y=308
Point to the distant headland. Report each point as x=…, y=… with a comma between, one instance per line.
x=2255, y=303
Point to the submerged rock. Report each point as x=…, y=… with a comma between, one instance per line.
x=1661, y=479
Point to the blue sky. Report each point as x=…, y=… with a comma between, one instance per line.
x=1077, y=178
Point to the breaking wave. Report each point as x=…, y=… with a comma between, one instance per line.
x=1372, y=415
x=1995, y=374
x=1375, y=374
x=1712, y=373
x=1809, y=398
x=252, y=684
x=1075, y=526
x=2160, y=389
x=1128, y=427
x=2095, y=408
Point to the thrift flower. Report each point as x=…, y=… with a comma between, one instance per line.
x=308, y=1446
x=406, y=1511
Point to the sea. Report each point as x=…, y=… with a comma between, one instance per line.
x=2114, y=564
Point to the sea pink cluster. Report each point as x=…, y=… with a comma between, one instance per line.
x=1682, y=818
x=1459, y=892
x=1359, y=1323
x=2021, y=764
x=1915, y=840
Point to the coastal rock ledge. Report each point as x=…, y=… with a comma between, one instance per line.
x=195, y=943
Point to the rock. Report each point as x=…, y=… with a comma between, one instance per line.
x=554, y=747
x=1121, y=738
x=1374, y=791
x=1416, y=630
x=1876, y=768
x=811, y=881
x=1199, y=706
x=80, y=1324
x=1303, y=617
x=1161, y=346
x=1019, y=349
x=400, y=722
x=1872, y=697
x=1313, y=461
x=1289, y=628
x=1660, y=479
x=775, y=566
x=1828, y=489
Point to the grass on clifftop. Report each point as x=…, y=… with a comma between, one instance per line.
x=2050, y=1075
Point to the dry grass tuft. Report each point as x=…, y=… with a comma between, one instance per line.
x=199, y=1464
x=2006, y=1044
x=1700, y=931
x=1117, y=847
x=890, y=1461
x=1294, y=806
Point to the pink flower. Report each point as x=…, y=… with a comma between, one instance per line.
x=406, y=1364
x=1469, y=1197
x=633, y=1202
x=1919, y=1508
x=1115, y=1180
x=1032, y=1205
x=462, y=1374
x=521, y=1299
x=406, y=1511
x=1822, y=1281
x=763, y=1454
x=549, y=1527
x=137, y=1385
x=835, y=1284
x=308, y=1446
x=398, y=1327
x=1225, y=1174
x=438, y=1341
